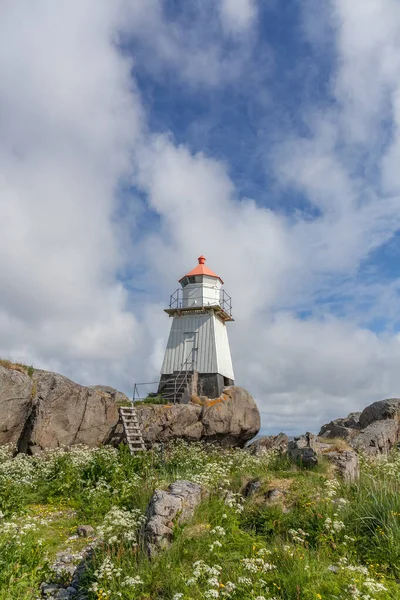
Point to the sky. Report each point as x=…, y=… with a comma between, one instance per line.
x=136, y=135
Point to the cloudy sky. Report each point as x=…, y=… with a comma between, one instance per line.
x=137, y=134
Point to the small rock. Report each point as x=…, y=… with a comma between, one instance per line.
x=263, y=444
x=252, y=488
x=62, y=595
x=72, y=590
x=275, y=495
x=85, y=531
x=48, y=589
x=67, y=558
x=333, y=569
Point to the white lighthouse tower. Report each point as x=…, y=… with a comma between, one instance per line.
x=197, y=358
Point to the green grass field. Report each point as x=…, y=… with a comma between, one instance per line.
x=320, y=540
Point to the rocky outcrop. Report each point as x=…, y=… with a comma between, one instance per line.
x=376, y=430
x=230, y=420
x=180, y=500
x=15, y=404
x=48, y=410
x=41, y=409
x=345, y=463
x=343, y=428
x=269, y=442
x=119, y=397
x=302, y=450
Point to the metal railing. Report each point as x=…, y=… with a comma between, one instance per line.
x=136, y=391
x=224, y=301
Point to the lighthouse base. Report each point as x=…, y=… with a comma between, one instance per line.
x=179, y=387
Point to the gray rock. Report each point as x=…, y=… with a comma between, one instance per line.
x=275, y=495
x=49, y=410
x=343, y=428
x=378, y=438
x=115, y=395
x=182, y=497
x=333, y=569
x=252, y=488
x=230, y=420
x=65, y=413
x=62, y=595
x=49, y=589
x=380, y=411
x=346, y=464
x=85, y=531
x=15, y=404
x=71, y=590
x=376, y=430
x=302, y=450
x=263, y=444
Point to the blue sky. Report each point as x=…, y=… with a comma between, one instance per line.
x=139, y=134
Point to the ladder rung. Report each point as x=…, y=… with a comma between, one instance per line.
x=133, y=433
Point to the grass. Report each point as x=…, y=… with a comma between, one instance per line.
x=322, y=539
x=16, y=366
x=151, y=400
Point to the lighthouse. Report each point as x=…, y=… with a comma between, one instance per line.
x=197, y=358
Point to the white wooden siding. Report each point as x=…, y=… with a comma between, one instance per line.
x=213, y=354
x=224, y=360
x=203, y=325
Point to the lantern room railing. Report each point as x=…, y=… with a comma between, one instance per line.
x=224, y=302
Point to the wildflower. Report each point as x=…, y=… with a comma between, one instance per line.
x=218, y=531
x=230, y=587
x=214, y=545
x=132, y=581
x=209, y=594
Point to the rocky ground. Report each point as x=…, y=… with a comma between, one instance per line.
x=194, y=517
x=41, y=409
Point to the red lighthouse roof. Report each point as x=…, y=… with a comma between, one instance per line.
x=201, y=269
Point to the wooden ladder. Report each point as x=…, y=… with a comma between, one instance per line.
x=132, y=430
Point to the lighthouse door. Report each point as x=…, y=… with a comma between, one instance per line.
x=189, y=349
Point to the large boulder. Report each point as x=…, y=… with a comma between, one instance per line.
x=230, y=420
x=269, y=442
x=344, y=428
x=345, y=463
x=380, y=411
x=15, y=403
x=163, y=422
x=376, y=430
x=178, y=502
x=119, y=397
x=379, y=437
x=40, y=409
x=48, y=410
x=66, y=413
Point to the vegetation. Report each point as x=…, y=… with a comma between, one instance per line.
x=16, y=366
x=320, y=539
x=151, y=400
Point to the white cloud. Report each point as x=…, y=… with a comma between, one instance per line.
x=238, y=15
x=70, y=117
x=74, y=126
